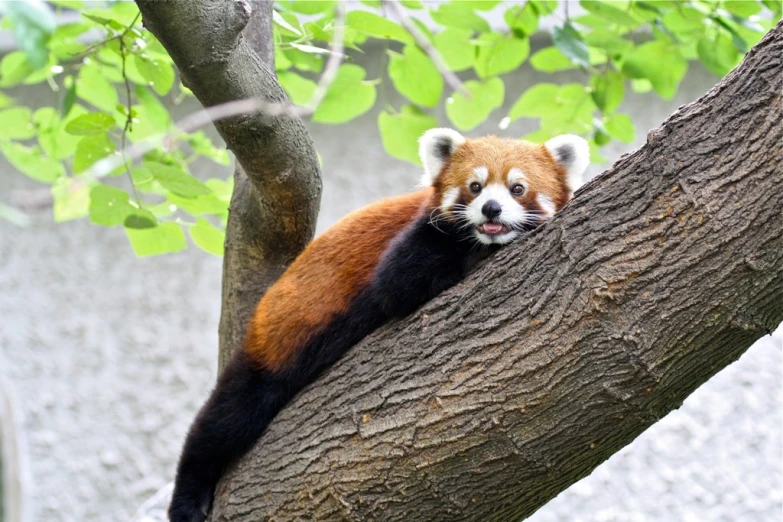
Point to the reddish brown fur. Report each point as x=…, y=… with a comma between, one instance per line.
x=500, y=155
x=325, y=278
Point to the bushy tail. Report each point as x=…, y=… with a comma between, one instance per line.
x=240, y=408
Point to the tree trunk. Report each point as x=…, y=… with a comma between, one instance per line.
x=277, y=182
x=561, y=349
x=554, y=354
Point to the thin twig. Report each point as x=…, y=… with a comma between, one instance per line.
x=448, y=75
x=129, y=119
x=236, y=108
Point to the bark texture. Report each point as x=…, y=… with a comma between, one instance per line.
x=561, y=349
x=224, y=52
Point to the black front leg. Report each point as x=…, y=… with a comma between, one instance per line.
x=421, y=263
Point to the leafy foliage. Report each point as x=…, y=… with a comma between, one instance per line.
x=118, y=90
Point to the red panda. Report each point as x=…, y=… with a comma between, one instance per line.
x=380, y=262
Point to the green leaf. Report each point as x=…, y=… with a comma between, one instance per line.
x=455, y=47
x=500, y=54
x=416, y=77
x=600, y=136
x=140, y=218
x=641, y=86
x=91, y=124
x=156, y=71
x=71, y=199
x=718, y=54
x=154, y=114
x=544, y=7
x=608, y=40
x=400, y=133
x=14, y=68
x=299, y=89
x=16, y=124
x=30, y=161
x=570, y=42
x=522, y=20
x=93, y=87
x=479, y=5
x=550, y=59
x=201, y=144
x=91, y=149
x=306, y=61
x=176, y=180
x=208, y=237
x=33, y=23
x=743, y=8
x=117, y=18
x=163, y=239
x=467, y=113
x=620, y=126
x=610, y=13
x=685, y=23
x=70, y=95
x=309, y=7
x=5, y=101
x=607, y=91
x=412, y=4
x=460, y=16
x=659, y=62
x=536, y=101
x=109, y=206
x=54, y=141
x=371, y=24
x=287, y=23
x=348, y=96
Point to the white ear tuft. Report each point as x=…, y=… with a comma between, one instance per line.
x=435, y=147
x=573, y=153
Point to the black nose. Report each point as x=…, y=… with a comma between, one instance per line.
x=491, y=209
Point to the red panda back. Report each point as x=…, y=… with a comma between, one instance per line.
x=325, y=279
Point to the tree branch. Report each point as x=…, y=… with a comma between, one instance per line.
x=562, y=348
x=277, y=185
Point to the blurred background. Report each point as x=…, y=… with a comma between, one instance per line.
x=106, y=357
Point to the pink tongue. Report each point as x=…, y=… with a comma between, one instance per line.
x=493, y=228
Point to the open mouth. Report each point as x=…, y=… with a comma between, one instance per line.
x=491, y=228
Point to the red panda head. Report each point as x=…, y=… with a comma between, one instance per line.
x=500, y=187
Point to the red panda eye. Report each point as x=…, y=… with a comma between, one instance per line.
x=475, y=187
x=517, y=190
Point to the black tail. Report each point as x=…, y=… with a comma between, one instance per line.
x=240, y=408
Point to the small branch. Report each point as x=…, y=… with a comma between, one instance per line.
x=448, y=75
x=129, y=118
x=234, y=108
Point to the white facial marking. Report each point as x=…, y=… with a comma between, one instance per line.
x=516, y=175
x=512, y=213
x=481, y=173
x=546, y=204
x=449, y=199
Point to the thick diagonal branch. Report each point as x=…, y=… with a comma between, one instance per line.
x=278, y=183
x=559, y=351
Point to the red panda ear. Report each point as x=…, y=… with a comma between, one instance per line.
x=435, y=147
x=573, y=153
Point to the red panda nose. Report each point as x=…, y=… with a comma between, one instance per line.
x=491, y=209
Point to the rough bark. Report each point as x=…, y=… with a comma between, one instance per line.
x=561, y=349
x=277, y=183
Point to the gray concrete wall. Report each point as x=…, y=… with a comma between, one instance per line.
x=110, y=356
